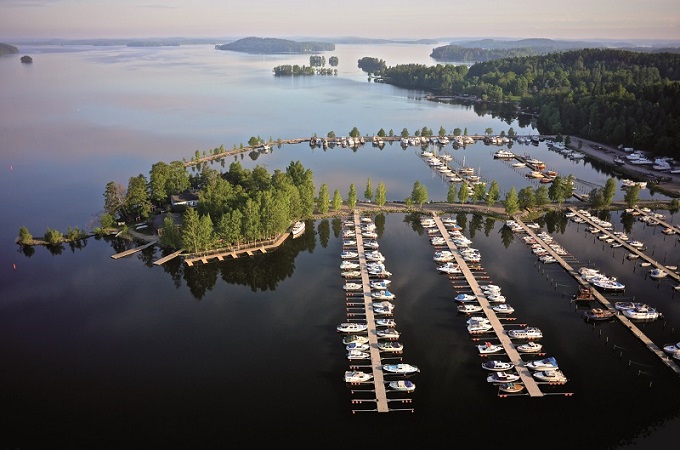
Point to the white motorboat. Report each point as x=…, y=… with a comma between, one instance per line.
x=489, y=348
x=526, y=333
x=657, y=273
x=608, y=284
x=428, y=222
x=360, y=346
x=479, y=326
x=357, y=354
x=449, y=268
x=383, y=295
x=469, y=308
x=357, y=376
x=519, y=165
x=358, y=338
x=351, y=274
x=349, y=243
x=496, y=298
x=503, y=308
x=388, y=333
x=352, y=287
x=369, y=234
x=620, y=306
x=497, y=366
x=352, y=327
x=403, y=385
x=401, y=368
x=511, y=388
x=348, y=254
x=383, y=308
x=491, y=287
x=672, y=349
x=374, y=255
x=443, y=256
x=380, y=285
x=636, y=244
x=643, y=312
x=385, y=322
x=550, y=376
x=438, y=240
x=503, y=154
x=390, y=346
x=465, y=298
x=373, y=245
x=530, y=347
x=502, y=377
x=298, y=229
x=349, y=265
x=548, y=363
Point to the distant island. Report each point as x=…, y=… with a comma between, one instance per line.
x=26, y=59
x=274, y=45
x=6, y=49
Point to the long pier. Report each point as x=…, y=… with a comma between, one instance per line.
x=235, y=252
x=512, y=353
x=132, y=250
x=651, y=346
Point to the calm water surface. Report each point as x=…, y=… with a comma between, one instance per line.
x=102, y=352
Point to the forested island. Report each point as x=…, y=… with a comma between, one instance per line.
x=274, y=45
x=611, y=96
x=6, y=49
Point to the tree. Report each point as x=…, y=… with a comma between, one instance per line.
x=419, y=194
x=457, y=131
x=442, y=131
x=525, y=198
x=25, y=236
x=337, y=201
x=609, y=191
x=53, y=237
x=355, y=132
x=463, y=193
x=171, y=236
x=511, y=202
x=368, y=193
x=106, y=221
x=596, y=198
x=137, y=202
x=493, y=195
x=114, y=197
x=556, y=192
x=404, y=133
x=380, y=194
x=632, y=195
x=381, y=133
x=352, y=197
x=451, y=196
x=541, y=197
x=323, y=203
x=478, y=192
x=488, y=131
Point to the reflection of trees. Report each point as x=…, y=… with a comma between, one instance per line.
x=174, y=268
x=27, y=250
x=627, y=220
x=555, y=220
x=147, y=256
x=413, y=219
x=488, y=225
x=380, y=224
x=336, y=224
x=476, y=224
x=461, y=219
x=507, y=236
x=201, y=278
x=55, y=249
x=77, y=245
x=324, y=230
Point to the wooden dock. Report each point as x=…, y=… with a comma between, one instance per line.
x=525, y=374
x=167, y=258
x=651, y=346
x=132, y=250
x=235, y=252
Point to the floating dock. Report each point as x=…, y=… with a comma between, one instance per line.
x=132, y=251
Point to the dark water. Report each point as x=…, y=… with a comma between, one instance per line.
x=99, y=352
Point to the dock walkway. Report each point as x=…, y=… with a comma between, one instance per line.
x=651, y=346
x=132, y=250
x=235, y=252
x=524, y=373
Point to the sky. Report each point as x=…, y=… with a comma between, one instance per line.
x=388, y=19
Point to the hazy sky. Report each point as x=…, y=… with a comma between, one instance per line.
x=567, y=19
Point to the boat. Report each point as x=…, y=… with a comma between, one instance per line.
x=352, y=327
x=496, y=298
x=598, y=314
x=374, y=255
x=298, y=229
x=349, y=243
x=449, y=268
x=511, y=388
x=620, y=306
x=619, y=161
x=672, y=349
x=504, y=154
x=608, y=284
x=491, y=288
x=465, y=298
x=359, y=338
x=357, y=376
x=388, y=333
x=385, y=322
x=518, y=165
x=401, y=368
x=353, y=287
x=669, y=231
x=657, y=273
x=403, y=385
x=488, y=348
x=530, y=347
x=479, y=325
x=469, y=308
x=548, y=363
x=526, y=333
x=643, y=312
x=383, y=295
x=351, y=274
x=550, y=376
x=503, y=308
x=357, y=354
x=373, y=245
x=502, y=377
x=584, y=294
x=636, y=244
x=497, y=366
x=379, y=285
x=390, y=346
x=443, y=256
x=361, y=346
x=345, y=265
x=347, y=254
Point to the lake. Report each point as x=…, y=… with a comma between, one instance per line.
x=122, y=353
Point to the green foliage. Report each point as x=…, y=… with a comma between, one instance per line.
x=404, y=133
x=336, y=204
x=352, y=197
x=324, y=199
x=371, y=65
x=451, y=195
x=442, y=131
x=463, y=193
x=333, y=61
x=275, y=45
x=511, y=202
x=541, y=197
x=170, y=234
x=596, y=197
x=368, y=193
x=632, y=195
x=381, y=133
x=525, y=197
x=53, y=237
x=493, y=195
x=317, y=60
x=419, y=194
x=25, y=237
x=114, y=197
x=478, y=192
x=355, y=132
x=609, y=191
x=381, y=194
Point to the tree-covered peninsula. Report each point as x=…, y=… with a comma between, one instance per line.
x=611, y=96
x=6, y=49
x=274, y=45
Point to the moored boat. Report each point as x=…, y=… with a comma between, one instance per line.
x=390, y=346
x=352, y=327
x=355, y=338
x=548, y=363
x=469, y=308
x=387, y=333
x=402, y=385
x=530, y=347
x=550, y=376
x=598, y=314
x=643, y=312
x=525, y=333
x=503, y=308
x=489, y=348
x=502, y=377
x=511, y=388
x=298, y=229
x=385, y=322
x=357, y=376
x=400, y=368
x=657, y=273
x=497, y=366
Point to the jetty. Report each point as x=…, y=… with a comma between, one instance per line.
x=132, y=251
x=646, y=341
